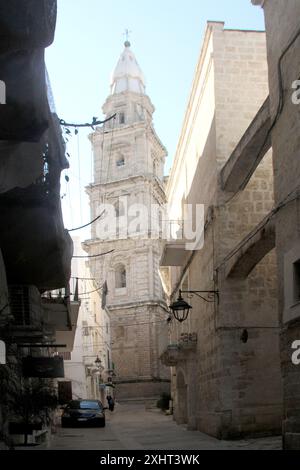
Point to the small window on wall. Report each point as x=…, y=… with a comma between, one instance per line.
x=297, y=281
x=121, y=118
x=120, y=276
x=120, y=160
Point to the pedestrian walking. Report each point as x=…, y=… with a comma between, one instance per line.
x=111, y=402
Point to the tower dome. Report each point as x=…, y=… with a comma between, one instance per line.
x=127, y=75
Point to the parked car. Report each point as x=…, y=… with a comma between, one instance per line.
x=83, y=412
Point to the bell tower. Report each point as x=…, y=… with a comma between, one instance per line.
x=129, y=186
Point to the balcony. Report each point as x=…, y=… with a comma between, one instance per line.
x=174, y=353
x=60, y=310
x=171, y=356
x=25, y=323
x=30, y=214
x=174, y=253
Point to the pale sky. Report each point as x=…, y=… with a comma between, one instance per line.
x=166, y=39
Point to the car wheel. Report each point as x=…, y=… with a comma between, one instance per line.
x=102, y=424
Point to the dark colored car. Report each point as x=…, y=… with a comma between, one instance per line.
x=83, y=412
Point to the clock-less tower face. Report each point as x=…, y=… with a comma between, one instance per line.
x=129, y=180
x=127, y=145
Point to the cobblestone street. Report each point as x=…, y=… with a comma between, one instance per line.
x=132, y=427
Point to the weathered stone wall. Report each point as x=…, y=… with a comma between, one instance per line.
x=234, y=393
x=282, y=24
x=135, y=351
x=137, y=308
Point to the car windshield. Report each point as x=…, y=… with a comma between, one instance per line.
x=85, y=405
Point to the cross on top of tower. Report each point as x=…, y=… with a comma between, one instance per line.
x=127, y=34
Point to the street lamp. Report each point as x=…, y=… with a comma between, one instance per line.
x=98, y=361
x=180, y=308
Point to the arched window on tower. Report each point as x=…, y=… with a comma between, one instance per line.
x=119, y=208
x=122, y=118
x=120, y=276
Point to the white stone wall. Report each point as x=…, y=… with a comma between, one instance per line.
x=282, y=25
x=229, y=87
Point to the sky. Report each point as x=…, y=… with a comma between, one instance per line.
x=166, y=37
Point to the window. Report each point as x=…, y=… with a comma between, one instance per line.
x=119, y=208
x=108, y=359
x=297, y=281
x=85, y=405
x=121, y=118
x=121, y=160
x=19, y=304
x=85, y=331
x=120, y=276
x=139, y=112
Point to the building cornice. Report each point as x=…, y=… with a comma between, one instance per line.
x=187, y=118
x=258, y=2
x=143, y=303
x=149, y=178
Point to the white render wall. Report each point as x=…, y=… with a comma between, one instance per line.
x=92, y=336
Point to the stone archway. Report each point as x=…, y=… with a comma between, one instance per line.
x=182, y=404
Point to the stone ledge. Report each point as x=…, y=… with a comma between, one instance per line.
x=249, y=151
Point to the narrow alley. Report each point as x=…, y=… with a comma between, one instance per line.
x=131, y=426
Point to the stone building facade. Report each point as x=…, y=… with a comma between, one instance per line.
x=88, y=366
x=36, y=249
x=283, y=43
x=224, y=358
x=128, y=183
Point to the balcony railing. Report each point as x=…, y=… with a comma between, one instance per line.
x=175, y=352
x=60, y=310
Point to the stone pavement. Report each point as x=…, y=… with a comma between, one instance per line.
x=133, y=427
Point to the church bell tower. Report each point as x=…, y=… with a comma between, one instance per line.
x=129, y=184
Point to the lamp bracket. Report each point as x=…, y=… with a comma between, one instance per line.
x=206, y=295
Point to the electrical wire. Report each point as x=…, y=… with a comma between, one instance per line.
x=83, y=278
x=94, y=122
x=94, y=256
x=91, y=292
x=86, y=225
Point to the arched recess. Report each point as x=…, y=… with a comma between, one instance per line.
x=251, y=251
x=120, y=276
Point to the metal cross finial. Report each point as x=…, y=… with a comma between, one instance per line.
x=127, y=34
